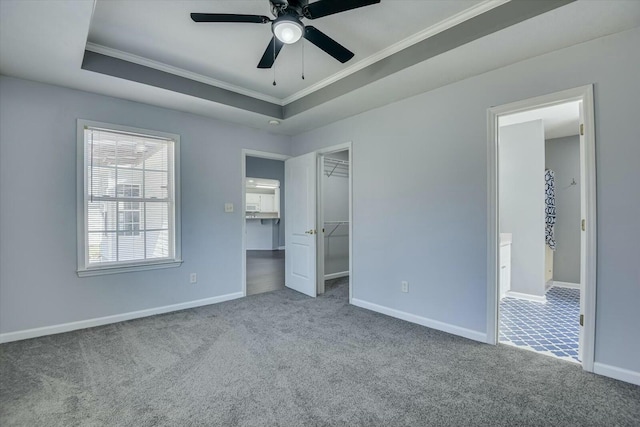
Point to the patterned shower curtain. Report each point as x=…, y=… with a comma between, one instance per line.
x=550, y=208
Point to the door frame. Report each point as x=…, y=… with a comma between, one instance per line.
x=244, y=154
x=346, y=146
x=588, y=165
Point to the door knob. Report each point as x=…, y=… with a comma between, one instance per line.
x=310, y=231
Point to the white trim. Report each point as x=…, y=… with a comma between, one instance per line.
x=336, y=275
x=99, y=321
x=534, y=298
x=441, y=26
x=430, y=323
x=584, y=94
x=348, y=146
x=281, y=248
x=140, y=60
x=557, y=284
x=175, y=235
x=621, y=374
x=244, y=153
x=128, y=268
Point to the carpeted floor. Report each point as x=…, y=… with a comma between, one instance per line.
x=283, y=359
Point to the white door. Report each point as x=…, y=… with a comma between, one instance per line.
x=583, y=216
x=300, y=223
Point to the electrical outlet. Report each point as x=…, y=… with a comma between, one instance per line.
x=193, y=278
x=405, y=286
x=228, y=207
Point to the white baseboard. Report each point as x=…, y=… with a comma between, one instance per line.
x=281, y=248
x=430, y=323
x=617, y=373
x=336, y=275
x=565, y=285
x=99, y=321
x=519, y=295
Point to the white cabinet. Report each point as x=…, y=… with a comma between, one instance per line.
x=253, y=202
x=267, y=203
x=263, y=203
x=263, y=198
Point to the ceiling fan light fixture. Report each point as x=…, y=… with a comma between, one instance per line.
x=288, y=29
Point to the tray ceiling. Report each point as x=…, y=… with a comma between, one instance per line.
x=228, y=53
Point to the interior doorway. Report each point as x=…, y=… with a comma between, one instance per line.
x=306, y=233
x=302, y=219
x=263, y=222
x=542, y=217
x=334, y=223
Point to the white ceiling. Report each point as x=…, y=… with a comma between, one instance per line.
x=559, y=120
x=45, y=41
x=164, y=32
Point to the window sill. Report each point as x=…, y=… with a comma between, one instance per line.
x=99, y=271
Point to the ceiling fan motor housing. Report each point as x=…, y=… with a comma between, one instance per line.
x=287, y=28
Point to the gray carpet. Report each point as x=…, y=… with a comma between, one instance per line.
x=282, y=359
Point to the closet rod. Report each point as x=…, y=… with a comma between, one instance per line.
x=330, y=160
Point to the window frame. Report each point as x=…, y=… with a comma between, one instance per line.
x=83, y=267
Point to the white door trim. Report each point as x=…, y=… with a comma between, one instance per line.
x=588, y=162
x=348, y=146
x=244, y=154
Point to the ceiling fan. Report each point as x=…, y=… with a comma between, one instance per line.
x=287, y=27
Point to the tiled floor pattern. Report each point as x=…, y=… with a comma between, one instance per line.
x=551, y=328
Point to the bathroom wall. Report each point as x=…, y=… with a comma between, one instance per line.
x=562, y=155
x=521, y=183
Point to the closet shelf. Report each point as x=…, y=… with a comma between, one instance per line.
x=336, y=224
x=336, y=167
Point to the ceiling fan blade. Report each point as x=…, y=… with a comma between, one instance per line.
x=327, y=44
x=269, y=56
x=229, y=17
x=322, y=8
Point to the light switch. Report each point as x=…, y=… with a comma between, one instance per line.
x=228, y=207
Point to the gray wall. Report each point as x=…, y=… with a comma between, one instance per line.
x=257, y=167
x=521, y=184
x=38, y=282
x=420, y=190
x=563, y=157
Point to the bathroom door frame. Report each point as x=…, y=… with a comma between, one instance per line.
x=588, y=235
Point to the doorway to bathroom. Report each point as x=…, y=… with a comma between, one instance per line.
x=543, y=225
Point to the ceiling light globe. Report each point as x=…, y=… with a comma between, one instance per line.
x=288, y=30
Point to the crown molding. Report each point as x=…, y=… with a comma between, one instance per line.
x=130, y=57
x=452, y=21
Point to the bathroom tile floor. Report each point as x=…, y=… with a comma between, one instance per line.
x=551, y=328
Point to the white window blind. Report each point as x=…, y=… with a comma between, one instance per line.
x=129, y=198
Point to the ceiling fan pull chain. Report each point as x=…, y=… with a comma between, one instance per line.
x=274, y=61
x=302, y=59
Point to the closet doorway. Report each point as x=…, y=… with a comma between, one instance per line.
x=542, y=223
x=263, y=222
x=334, y=195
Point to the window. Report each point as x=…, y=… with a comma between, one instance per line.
x=129, y=215
x=128, y=200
